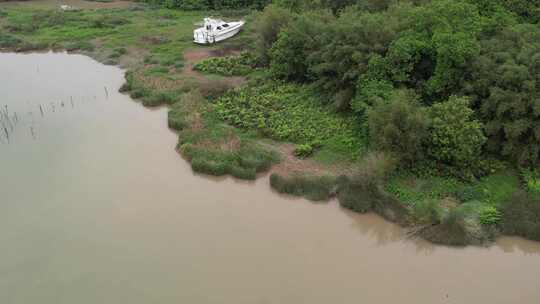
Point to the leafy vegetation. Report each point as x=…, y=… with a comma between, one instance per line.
x=290, y=113
x=227, y=66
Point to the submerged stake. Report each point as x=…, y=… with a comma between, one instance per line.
x=7, y=134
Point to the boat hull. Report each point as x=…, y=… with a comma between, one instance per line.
x=201, y=36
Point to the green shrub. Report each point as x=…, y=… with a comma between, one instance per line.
x=531, y=179
x=268, y=25
x=243, y=173
x=218, y=163
x=456, y=138
x=128, y=85
x=498, y=188
x=8, y=41
x=400, y=127
x=521, y=215
x=452, y=230
x=427, y=212
x=137, y=93
x=161, y=97
x=315, y=188
x=303, y=150
x=356, y=196
x=489, y=215
x=209, y=166
x=467, y=193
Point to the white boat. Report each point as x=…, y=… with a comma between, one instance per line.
x=215, y=30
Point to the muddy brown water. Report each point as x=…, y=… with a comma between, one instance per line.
x=97, y=207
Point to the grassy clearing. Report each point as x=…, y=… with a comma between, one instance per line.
x=163, y=34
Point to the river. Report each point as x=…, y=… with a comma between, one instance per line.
x=96, y=206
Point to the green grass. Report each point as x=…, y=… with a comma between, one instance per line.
x=213, y=147
x=163, y=33
x=413, y=190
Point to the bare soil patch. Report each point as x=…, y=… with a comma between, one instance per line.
x=292, y=164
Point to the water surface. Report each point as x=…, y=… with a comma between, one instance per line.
x=97, y=207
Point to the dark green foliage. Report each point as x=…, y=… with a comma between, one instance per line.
x=527, y=10
x=315, y=188
x=295, y=42
x=521, y=216
x=118, y=52
x=505, y=83
x=8, y=41
x=268, y=26
x=363, y=193
x=467, y=193
x=400, y=127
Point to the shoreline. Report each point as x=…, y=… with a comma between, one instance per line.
x=191, y=115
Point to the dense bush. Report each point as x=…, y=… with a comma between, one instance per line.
x=8, y=41
x=456, y=138
x=315, y=188
x=521, y=216
x=505, y=84
x=268, y=26
x=400, y=127
x=531, y=178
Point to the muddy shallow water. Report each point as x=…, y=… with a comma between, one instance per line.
x=97, y=207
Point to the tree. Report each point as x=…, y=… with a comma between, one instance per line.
x=295, y=41
x=400, y=127
x=456, y=139
x=505, y=86
x=268, y=26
